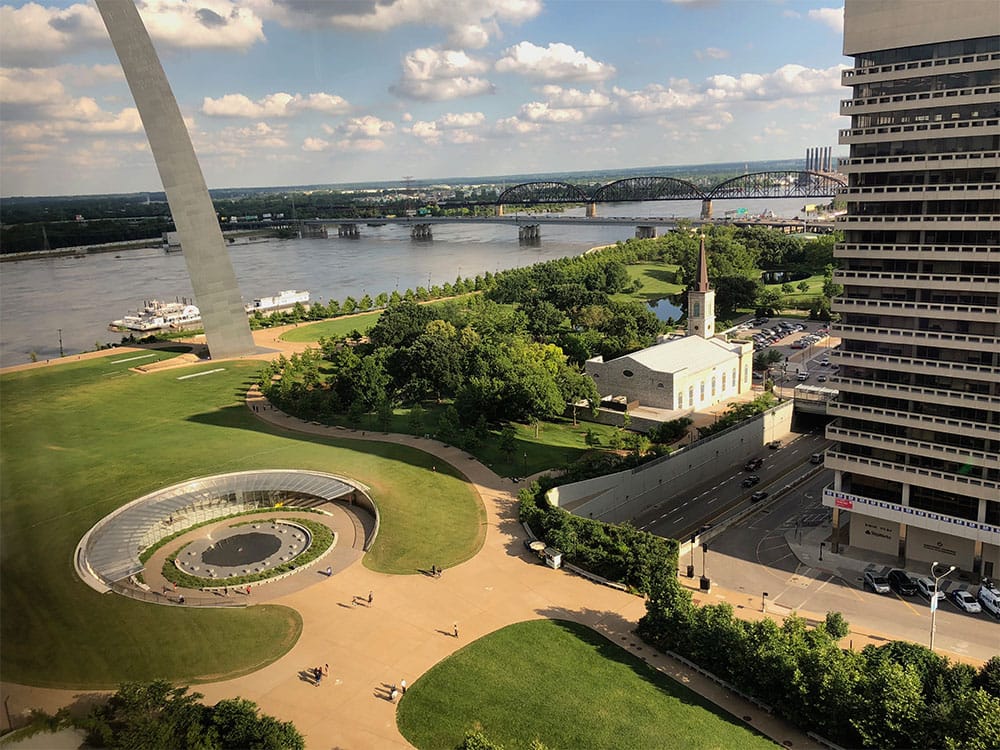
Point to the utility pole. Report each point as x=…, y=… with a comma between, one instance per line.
x=60, y=343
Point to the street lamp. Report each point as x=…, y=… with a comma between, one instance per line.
x=934, y=598
x=821, y=546
x=763, y=602
x=60, y=343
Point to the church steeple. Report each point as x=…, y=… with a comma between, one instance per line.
x=701, y=301
x=702, y=268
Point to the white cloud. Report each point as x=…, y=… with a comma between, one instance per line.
x=558, y=61
x=439, y=75
x=515, y=126
x=451, y=121
x=279, y=104
x=367, y=126
x=712, y=53
x=469, y=24
x=451, y=127
x=29, y=86
x=559, y=97
x=654, y=99
x=315, y=144
x=34, y=34
x=785, y=82
x=832, y=17
x=541, y=112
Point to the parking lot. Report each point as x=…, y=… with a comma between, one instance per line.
x=805, y=345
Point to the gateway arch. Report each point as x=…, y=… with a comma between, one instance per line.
x=227, y=328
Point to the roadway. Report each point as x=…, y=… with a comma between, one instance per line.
x=777, y=550
x=724, y=493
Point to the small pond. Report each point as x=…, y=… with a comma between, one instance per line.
x=665, y=309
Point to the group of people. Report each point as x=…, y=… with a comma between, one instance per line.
x=320, y=672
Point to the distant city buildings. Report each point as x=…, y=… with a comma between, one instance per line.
x=917, y=458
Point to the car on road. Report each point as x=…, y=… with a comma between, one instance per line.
x=821, y=378
x=758, y=496
x=989, y=598
x=965, y=601
x=802, y=377
x=774, y=445
x=753, y=464
x=751, y=480
x=901, y=583
x=925, y=586
x=876, y=582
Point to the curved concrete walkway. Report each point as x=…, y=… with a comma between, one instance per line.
x=409, y=626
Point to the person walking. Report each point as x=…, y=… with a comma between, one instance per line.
x=371, y=596
x=394, y=694
x=402, y=686
x=455, y=630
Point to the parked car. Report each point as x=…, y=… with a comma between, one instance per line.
x=989, y=598
x=751, y=480
x=965, y=601
x=876, y=582
x=901, y=583
x=753, y=464
x=774, y=445
x=925, y=586
x=758, y=496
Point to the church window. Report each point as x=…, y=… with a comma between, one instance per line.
x=702, y=390
x=690, y=395
x=680, y=399
x=627, y=373
x=713, y=386
x=659, y=385
x=734, y=377
x=723, y=381
x=697, y=309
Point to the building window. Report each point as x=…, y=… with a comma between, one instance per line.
x=713, y=386
x=697, y=310
x=690, y=395
x=627, y=373
x=702, y=398
x=734, y=377
x=723, y=382
x=680, y=399
x=659, y=385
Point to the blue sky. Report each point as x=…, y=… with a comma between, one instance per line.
x=293, y=92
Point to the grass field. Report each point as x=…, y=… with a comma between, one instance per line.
x=815, y=289
x=83, y=438
x=565, y=685
x=335, y=327
x=657, y=282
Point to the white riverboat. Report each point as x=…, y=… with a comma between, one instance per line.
x=157, y=316
x=280, y=301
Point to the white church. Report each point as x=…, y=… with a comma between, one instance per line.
x=682, y=374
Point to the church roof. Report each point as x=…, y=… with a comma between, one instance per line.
x=691, y=353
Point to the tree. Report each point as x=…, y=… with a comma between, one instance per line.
x=365, y=303
x=448, y=427
x=508, y=440
x=803, y=286
x=734, y=292
x=382, y=299
x=237, y=724
x=416, y=419
x=591, y=438
x=140, y=715
x=836, y=625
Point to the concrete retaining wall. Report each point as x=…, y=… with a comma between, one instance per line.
x=623, y=496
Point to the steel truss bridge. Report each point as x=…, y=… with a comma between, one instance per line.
x=778, y=184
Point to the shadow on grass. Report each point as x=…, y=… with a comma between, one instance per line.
x=612, y=634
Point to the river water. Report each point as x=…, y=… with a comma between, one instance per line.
x=79, y=296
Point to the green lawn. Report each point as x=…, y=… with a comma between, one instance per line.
x=815, y=289
x=657, y=282
x=335, y=327
x=565, y=685
x=83, y=438
x=558, y=443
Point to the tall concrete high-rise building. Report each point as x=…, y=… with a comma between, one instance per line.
x=917, y=457
x=227, y=328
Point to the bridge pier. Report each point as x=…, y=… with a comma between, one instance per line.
x=645, y=232
x=348, y=230
x=500, y=210
x=591, y=210
x=313, y=231
x=706, y=208
x=529, y=233
x=421, y=232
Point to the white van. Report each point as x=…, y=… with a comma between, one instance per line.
x=816, y=458
x=989, y=597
